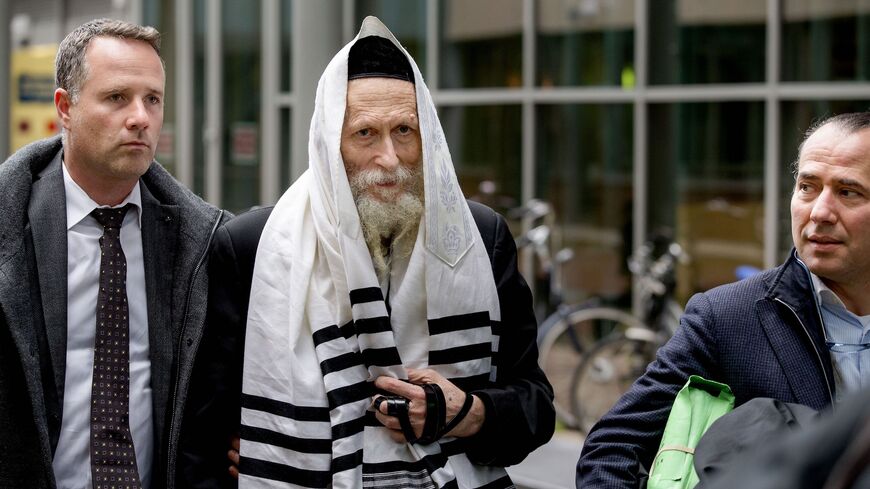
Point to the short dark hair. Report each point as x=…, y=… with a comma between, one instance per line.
x=70, y=68
x=851, y=122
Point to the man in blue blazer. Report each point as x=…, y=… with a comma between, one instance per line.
x=798, y=333
x=53, y=195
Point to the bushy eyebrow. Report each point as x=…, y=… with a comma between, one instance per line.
x=843, y=182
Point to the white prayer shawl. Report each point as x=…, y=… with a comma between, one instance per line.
x=319, y=331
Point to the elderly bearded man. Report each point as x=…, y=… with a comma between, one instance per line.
x=390, y=339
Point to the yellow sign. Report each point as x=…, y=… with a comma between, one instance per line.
x=32, y=114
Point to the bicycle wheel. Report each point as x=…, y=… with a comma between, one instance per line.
x=606, y=373
x=565, y=336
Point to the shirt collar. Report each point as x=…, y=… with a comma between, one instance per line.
x=827, y=297
x=79, y=205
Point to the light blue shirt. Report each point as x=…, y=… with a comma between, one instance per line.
x=851, y=369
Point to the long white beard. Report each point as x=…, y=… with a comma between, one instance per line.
x=389, y=226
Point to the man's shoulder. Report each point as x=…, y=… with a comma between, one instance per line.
x=30, y=159
x=249, y=222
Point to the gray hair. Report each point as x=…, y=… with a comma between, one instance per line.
x=70, y=69
x=849, y=123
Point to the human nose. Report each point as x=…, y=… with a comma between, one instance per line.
x=388, y=157
x=138, y=116
x=824, y=208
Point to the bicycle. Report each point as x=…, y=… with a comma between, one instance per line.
x=566, y=330
x=609, y=368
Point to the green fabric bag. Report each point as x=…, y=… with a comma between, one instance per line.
x=698, y=404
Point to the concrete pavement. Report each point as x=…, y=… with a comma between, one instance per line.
x=550, y=466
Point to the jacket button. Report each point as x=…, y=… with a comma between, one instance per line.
x=189, y=342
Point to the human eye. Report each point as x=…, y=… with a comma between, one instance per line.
x=366, y=132
x=849, y=193
x=154, y=100
x=115, y=97
x=404, y=129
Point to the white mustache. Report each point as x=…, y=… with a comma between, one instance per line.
x=379, y=176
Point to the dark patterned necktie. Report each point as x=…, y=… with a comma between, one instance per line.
x=113, y=458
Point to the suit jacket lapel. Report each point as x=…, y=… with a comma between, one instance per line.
x=159, y=232
x=47, y=215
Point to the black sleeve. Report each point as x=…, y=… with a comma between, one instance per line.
x=519, y=409
x=212, y=412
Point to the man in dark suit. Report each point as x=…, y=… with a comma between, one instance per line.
x=102, y=283
x=490, y=418
x=797, y=333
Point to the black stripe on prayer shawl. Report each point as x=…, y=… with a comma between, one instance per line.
x=429, y=463
x=380, y=324
x=352, y=427
x=341, y=362
x=368, y=294
x=348, y=394
x=459, y=322
x=460, y=354
x=333, y=332
x=284, y=473
x=285, y=409
x=381, y=357
x=269, y=437
x=347, y=462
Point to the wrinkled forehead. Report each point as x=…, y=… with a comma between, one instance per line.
x=834, y=144
x=373, y=96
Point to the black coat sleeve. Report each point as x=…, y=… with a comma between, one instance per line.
x=519, y=409
x=212, y=413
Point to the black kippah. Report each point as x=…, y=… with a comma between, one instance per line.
x=375, y=56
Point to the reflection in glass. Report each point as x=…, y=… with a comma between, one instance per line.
x=797, y=117
x=825, y=40
x=286, y=45
x=485, y=144
x=405, y=18
x=706, y=183
x=706, y=41
x=241, y=105
x=286, y=137
x=585, y=43
x=160, y=15
x=584, y=168
x=481, y=43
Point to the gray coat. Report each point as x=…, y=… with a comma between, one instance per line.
x=177, y=228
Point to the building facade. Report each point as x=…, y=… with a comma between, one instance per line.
x=628, y=116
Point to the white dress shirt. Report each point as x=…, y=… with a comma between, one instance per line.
x=72, y=459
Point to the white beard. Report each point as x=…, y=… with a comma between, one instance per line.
x=389, y=226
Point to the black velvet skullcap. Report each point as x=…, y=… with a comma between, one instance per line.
x=375, y=56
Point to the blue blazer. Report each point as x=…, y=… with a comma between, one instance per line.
x=762, y=336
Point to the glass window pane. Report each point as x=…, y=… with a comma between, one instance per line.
x=485, y=144
x=797, y=117
x=585, y=43
x=481, y=43
x=825, y=40
x=707, y=41
x=199, y=14
x=706, y=185
x=584, y=169
x=161, y=15
x=286, y=45
x=286, y=136
x=241, y=107
x=405, y=18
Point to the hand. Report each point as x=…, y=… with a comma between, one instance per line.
x=412, y=391
x=233, y=455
